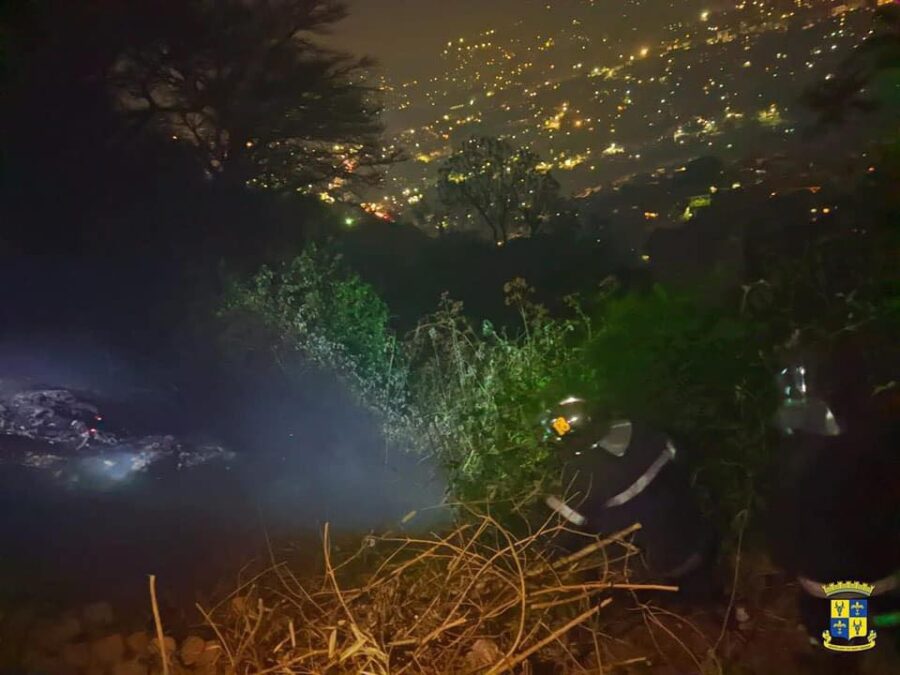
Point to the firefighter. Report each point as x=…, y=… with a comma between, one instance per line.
x=622, y=472
x=835, y=513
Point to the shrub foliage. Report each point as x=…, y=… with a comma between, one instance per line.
x=696, y=372
x=471, y=395
x=315, y=306
x=480, y=392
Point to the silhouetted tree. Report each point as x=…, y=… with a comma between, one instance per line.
x=88, y=165
x=247, y=85
x=503, y=186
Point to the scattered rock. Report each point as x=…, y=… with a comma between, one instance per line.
x=65, y=630
x=132, y=667
x=76, y=654
x=39, y=662
x=98, y=614
x=192, y=649
x=19, y=621
x=211, y=653
x=138, y=643
x=483, y=653
x=50, y=636
x=169, y=643
x=76, y=643
x=37, y=634
x=107, y=650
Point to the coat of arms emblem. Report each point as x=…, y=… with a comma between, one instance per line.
x=848, y=625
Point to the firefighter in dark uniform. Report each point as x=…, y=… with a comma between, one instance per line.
x=835, y=513
x=624, y=472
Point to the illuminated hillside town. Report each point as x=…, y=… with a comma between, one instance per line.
x=606, y=105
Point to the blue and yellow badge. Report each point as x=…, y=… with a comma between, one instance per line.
x=848, y=625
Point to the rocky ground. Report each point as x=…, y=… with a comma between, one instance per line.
x=760, y=634
x=90, y=641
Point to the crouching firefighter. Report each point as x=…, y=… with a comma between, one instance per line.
x=836, y=504
x=623, y=472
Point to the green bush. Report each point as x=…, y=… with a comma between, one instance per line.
x=480, y=391
x=471, y=395
x=315, y=306
x=697, y=373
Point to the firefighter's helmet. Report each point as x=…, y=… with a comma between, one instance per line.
x=566, y=419
x=799, y=410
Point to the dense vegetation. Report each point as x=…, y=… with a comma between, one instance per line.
x=314, y=305
x=472, y=394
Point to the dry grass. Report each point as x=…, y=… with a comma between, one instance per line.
x=476, y=600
